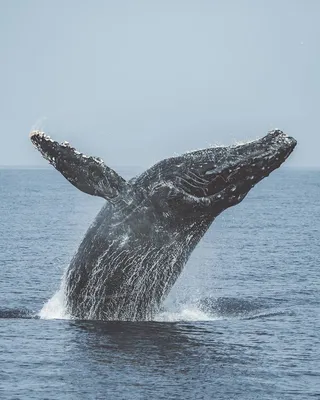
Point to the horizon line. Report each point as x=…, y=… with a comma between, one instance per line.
x=37, y=166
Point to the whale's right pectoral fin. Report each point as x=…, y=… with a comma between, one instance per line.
x=88, y=174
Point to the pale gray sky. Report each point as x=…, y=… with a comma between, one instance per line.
x=137, y=81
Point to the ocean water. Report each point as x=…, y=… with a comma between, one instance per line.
x=242, y=321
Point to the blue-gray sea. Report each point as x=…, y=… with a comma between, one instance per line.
x=242, y=321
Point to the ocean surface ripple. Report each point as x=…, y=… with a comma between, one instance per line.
x=242, y=322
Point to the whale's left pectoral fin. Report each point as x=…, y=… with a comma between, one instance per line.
x=88, y=174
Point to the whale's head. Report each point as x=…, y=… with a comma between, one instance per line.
x=210, y=180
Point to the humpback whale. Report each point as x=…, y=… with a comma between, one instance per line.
x=136, y=248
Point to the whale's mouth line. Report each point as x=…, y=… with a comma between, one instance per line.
x=240, y=181
x=235, y=181
x=230, y=175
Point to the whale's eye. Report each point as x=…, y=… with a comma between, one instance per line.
x=211, y=170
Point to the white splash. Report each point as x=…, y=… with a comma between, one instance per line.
x=186, y=313
x=55, y=308
x=39, y=124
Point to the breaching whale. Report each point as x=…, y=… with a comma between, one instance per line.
x=137, y=246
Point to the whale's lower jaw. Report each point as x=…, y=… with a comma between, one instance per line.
x=240, y=169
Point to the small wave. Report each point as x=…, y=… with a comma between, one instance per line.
x=231, y=306
x=270, y=315
x=14, y=313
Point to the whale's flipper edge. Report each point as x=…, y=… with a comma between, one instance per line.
x=88, y=174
